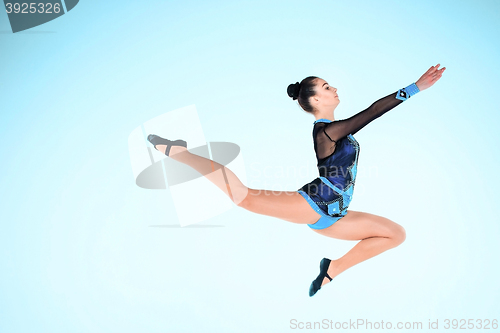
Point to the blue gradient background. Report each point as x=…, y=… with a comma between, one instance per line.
x=83, y=249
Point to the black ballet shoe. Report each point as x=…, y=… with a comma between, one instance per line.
x=316, y=284
x=156, y=140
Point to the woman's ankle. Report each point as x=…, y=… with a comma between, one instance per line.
x=176, y=150
x=333, y=269
x=161, y=148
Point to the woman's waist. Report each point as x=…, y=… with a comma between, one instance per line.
x=329, y=187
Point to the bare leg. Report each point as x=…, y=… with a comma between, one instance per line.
x=286, y=205
x=225, y=179
x=378, y=234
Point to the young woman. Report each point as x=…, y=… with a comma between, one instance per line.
x=321, y=204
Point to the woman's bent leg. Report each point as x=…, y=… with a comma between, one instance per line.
x=286, y=205
x=377, y=234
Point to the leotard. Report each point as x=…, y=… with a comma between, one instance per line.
x=337, y=154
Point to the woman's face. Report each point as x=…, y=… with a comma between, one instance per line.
x=326, y=95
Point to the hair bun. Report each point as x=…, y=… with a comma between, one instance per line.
x=293, y=90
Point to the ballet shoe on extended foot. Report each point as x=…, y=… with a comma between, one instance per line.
x=316, y=284
x=157, y=140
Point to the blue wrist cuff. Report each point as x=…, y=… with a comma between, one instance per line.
x=405, y=93
x=412, y=89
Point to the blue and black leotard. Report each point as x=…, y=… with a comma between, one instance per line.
x=337, y=154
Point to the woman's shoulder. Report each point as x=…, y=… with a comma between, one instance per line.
x=318, y=130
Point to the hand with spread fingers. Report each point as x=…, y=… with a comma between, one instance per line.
x=430, y=77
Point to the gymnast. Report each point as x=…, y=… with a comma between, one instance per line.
x=322, y=203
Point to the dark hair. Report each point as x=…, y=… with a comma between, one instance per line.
x=303, y=91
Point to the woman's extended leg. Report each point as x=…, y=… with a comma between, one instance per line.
x=377, y=234
x=286, y=205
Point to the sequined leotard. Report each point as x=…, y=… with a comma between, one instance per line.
x=337, y=154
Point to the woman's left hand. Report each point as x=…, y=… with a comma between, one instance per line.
x=430, y=77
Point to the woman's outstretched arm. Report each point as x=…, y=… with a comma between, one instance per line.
x=341, y=128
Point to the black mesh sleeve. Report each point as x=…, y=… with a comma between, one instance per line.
x=338, y=129
x=332, y=132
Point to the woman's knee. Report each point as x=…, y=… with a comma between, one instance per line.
x=398, y=234
x=245, y=201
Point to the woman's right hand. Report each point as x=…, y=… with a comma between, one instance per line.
x=430, y=77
